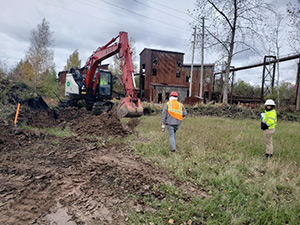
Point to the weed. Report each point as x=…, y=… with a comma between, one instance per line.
x=225, y=157
x=55, y=131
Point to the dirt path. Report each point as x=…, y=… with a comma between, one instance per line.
x=46, y=179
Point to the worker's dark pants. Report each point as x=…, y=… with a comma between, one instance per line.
x=172, y=133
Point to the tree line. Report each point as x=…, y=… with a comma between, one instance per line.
x=233, y=27
x=37, y=68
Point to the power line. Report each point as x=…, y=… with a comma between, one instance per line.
x=168, y=7
x=109, y=21
x=144, y=16
x=176, y=10
x=160, y=11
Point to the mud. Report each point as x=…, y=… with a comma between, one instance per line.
x=80, y=179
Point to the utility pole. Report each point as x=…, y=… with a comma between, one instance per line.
x=202, y=60
x=192, y=64
x=277, y=82
x=298, y=88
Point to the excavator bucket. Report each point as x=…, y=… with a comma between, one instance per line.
x=130, y=108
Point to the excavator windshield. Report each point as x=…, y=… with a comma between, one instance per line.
x=105, y=84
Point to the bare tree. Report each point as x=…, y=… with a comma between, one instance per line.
x=277, y=40
x=229, y=24
x=39, y=53
x=274, y=35
x=294, y=15
x=3, y=69
x=115, y=67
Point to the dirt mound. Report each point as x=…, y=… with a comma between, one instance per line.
x=84, y=122
x=17, y=92
x=104, y=124
x=36, y=113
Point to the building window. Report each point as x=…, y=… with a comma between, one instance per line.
x=144, y=66
x=159, y=98
x=167, y=95
x=154, y=72
x=179, y=63
x=154, y=61
x=178, y=74
x=187, y=79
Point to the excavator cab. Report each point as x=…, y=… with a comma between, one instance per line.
x=105, y=85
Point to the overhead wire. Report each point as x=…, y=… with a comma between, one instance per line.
x=164, y=12
x=109, y=21
x=168, y=7
x=144, y=16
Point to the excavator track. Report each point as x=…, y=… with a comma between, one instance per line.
x=100, y=107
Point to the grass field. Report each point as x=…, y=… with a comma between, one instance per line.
x=225, y=158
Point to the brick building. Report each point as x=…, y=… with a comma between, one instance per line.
x=162, y=72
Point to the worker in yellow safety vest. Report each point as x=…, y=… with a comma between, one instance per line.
x=268, y=124
x=172, y=116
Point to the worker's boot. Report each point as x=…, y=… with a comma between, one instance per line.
x=268, y=156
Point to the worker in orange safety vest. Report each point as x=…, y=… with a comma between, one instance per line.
x=172, y=116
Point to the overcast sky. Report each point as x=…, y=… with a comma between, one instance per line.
x=87, y=24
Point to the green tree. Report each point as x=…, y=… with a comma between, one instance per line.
x=241, y=88
x=51, y=88
x=73, y=61
x=39, y=53
x=24, y=71
x=286, y=92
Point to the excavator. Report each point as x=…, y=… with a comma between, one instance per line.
x=96, y=86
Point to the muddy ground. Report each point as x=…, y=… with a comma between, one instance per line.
x=81, y=179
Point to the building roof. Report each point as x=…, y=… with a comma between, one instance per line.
x=163, y=51
x=198, y=65
x=169, y=85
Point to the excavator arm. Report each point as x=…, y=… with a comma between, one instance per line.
x=130, y=105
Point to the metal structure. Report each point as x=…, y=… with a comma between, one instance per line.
x=272, y=61
x=268, y=76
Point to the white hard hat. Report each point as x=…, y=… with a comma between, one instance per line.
x=270, y=102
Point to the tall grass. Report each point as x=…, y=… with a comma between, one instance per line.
x=225, y=158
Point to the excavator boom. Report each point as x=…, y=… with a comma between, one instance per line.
x=130, y=105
